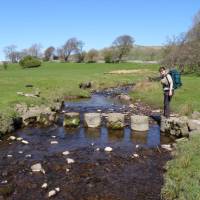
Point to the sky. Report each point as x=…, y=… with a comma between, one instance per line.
x=96, y=22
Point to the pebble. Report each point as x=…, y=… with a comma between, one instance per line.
x=92, y=144
x=28, y=156
x=53, y=136
x=54, y=192
x=51, y=193
x=65, y=153
x=67, y=170
x=108, y=149
x=37, y=168
x=25, y=142
x=70, y=160
x=98, y=110
x=135, y=155
x=12, y=138
x=9, y=156
x=54, y=142
x=4, y=182
x=137, y=146
x=44, y=185
x=167, y=147
x=97, y=149
x=20, y=152
x=19, y=139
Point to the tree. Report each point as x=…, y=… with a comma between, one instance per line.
x=11, y=53
x=48, y=53
x=72, y=45
x=80, y=53
x=122, y=45
x=92, y=56
x=108, y=55
x=35, y=50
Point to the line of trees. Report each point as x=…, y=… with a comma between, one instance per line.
x=184, y=50
x=73, y=49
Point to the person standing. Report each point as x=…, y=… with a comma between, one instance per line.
x=167, y=83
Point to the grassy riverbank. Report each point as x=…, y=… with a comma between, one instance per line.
x=58, y=80
x=185, y=100
x=183, y=174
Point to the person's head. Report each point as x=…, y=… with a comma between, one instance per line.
x=162, y=71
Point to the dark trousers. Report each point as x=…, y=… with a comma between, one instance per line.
x=167, y=100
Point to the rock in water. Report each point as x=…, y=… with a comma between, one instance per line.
x=92, y=120
x=44, y=185
x=70, y=160
x=115, y=121
x=108, y=149
x=71, y=119
x=139, y=123
x=65, y=153
x=37, y=168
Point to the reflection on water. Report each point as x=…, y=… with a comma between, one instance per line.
x=75, y=138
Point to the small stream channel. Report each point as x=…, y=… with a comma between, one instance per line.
x=96, y=174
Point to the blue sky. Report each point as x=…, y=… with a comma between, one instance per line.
x=96, y=22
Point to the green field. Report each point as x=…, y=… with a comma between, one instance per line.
x=57, y=80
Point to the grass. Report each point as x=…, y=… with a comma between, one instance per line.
x=185, y=100
x=182, y=180
x=57, y=80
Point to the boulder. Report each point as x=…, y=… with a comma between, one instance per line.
x=139, y=123
x=194, y=124
x=195, y=115
x=124, y=97
x=40, y=114
x=176, y=126
x=71, y=119
x=115, y=120
x=92, y=120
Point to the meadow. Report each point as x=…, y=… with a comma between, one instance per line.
x=58, y=80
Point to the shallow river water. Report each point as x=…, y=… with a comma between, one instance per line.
x=132, y=170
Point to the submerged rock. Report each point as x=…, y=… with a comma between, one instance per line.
x=70, y=160
x=37, y=168
x=65, y=153
x=44, y=185
x=108, y=149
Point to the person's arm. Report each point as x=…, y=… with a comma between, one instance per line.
x=170, y=84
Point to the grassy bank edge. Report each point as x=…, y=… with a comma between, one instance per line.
x=182, y=179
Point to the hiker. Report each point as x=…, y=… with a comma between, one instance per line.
x=167, y=83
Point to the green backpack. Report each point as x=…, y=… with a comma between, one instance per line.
x=176, y=77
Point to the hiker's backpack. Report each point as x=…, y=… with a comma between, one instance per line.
x=176, y=77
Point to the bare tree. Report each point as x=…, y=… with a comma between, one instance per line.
x=69, y=47
x=11, y=53
x=122, y=46
x=35, y=50
x=48, y=53
x=80, y=53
